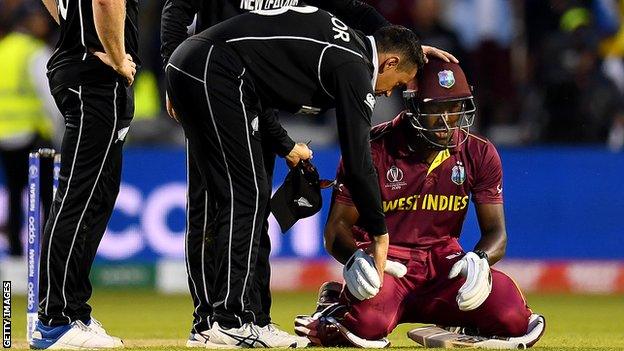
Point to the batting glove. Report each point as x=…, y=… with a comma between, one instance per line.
x=478, y=284
x=361, y=277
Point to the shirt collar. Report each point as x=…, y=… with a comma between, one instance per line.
x=375, y=60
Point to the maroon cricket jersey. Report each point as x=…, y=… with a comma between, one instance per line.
x=426, y=204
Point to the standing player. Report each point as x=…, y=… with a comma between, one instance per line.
x=90, y=74
x=267, y=59
x=428, y=167
x=177, y=15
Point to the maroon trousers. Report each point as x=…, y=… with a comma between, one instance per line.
x=426, y=295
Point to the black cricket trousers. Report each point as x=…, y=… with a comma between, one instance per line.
x=199, y=248
x=97, y=118
x=217, y=106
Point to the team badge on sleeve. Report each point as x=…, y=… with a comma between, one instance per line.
x=458, y=174
x=446, y=79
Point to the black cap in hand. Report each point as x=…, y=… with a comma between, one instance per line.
x=298, y=197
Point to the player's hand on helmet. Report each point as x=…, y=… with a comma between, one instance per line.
x=170, y=109
x=126, y=68
x=430, y=51
x=300, y=152
x=478, y=284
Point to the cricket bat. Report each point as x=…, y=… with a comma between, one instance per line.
x=434, y=336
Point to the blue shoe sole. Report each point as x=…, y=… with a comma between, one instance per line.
x=53, y=335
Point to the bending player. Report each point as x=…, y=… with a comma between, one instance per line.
x=428, y=167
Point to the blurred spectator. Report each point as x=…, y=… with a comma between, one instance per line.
x=26, y=106
x=615, y=141
x=395, y=11
x=541, y=20
x=7, y=10
x=148, y=98
x=485, y=29
x=610, y=16
x=575, y=91
x=535, y=64
x=425, y=19
x=151, y=125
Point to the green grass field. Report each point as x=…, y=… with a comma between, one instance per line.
x=146, y=320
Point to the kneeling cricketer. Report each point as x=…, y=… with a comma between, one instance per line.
x=429, y=166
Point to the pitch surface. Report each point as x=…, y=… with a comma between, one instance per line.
x=147, y=320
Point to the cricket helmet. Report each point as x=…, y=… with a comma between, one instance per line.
x=440, y=105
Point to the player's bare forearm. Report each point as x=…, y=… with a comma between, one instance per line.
x=52, y=8
x=494, y=244
x=339, y=241
x=109, y=18
x=379, y=252
x=493, y=240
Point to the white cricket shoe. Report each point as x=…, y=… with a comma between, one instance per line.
x=74, y=336
x=252, y=336
x=201, y=339
x=97, y=327
x=232, y=338
x=279, y=338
